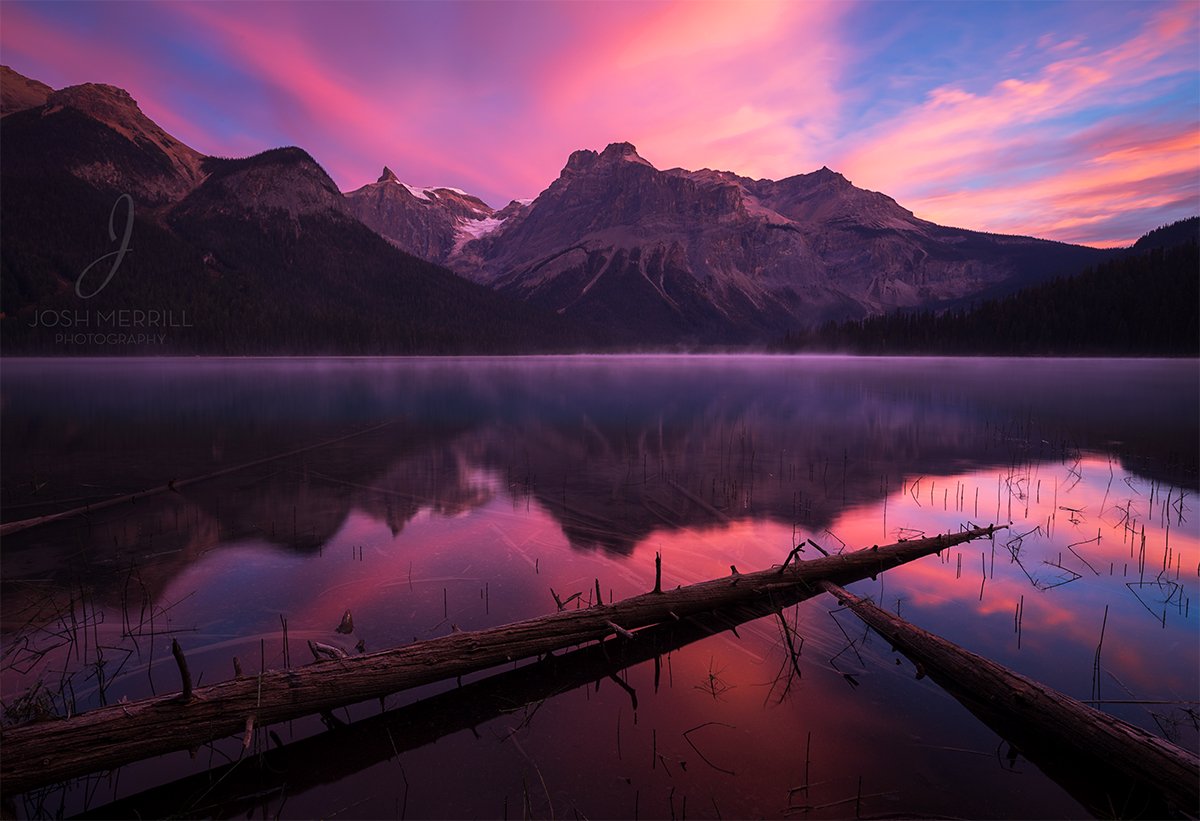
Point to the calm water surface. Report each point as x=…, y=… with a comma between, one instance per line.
x=429, y=495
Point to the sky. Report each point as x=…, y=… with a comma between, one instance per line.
x=1075, y=121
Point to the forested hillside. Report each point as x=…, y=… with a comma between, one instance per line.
x=1145, y=302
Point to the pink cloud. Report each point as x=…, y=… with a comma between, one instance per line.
x=73, y=60
x=492, y=98
x=693, y=84
x=328, y=103
x=707, y=85
x=1076, y=202
x=62, y=57
x=954, y=160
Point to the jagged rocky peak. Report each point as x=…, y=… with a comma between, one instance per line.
x=513, y=207
x=827, y=175
x=713, y=177
x=826, y=197
x=580, y=160
x=432, y=222
x=585, y=160
x=623, y=151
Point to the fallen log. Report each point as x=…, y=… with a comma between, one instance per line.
x=48, y=751
x=241, y=787
x=1116, y=770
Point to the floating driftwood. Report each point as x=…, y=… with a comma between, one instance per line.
x=1114, y=769
x=49, y=751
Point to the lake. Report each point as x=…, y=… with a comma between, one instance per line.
x=431, y=495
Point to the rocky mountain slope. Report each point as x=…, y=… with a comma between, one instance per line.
x=18, y=92
x=706, y=256
x=97, y=134
x=432, y=223
x=253, y=255
x=696, y=251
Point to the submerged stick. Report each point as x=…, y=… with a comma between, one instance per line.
x=184, y=675
x=45, y=752
x=172, y=485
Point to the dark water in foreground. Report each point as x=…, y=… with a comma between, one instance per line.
x=427, y=494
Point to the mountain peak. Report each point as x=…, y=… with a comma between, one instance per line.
x=584, y=159
x=165, y=168
x=622, y=149
x=581, y=160
x=388, y=176
x=18, y=92
x=825, y=173
x=282, y=156
x=116, y=108
x=285, y=179
x=106, y=103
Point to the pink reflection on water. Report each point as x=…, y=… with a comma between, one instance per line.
x=1090, y=547
x=496, y=561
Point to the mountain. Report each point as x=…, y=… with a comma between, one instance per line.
x=1140, y=303
x=714, y=256
x=235, y=256
x=98, y=134
x=706, y=256
x=18, y=92
x=432, y=223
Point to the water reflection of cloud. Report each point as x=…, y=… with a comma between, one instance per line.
x=1062, y=621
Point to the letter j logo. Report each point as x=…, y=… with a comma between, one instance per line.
x=119, y=253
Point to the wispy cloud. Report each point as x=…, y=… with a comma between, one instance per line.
x=1054, y=153
x=1037, y=119
x=347, y=118
x=748, y=87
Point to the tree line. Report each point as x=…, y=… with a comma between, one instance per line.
x=1145, y=302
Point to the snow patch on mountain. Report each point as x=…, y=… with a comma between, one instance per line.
x=468, y=230
x=419, y=193
x=479, y=228
x=429, y=193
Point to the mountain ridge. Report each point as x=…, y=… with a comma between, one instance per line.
x=251, y=255
x=714, y=256
x=673, y=258
x=20, y=92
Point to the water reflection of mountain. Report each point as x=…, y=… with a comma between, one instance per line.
x=612, y=448
x=668, y=447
